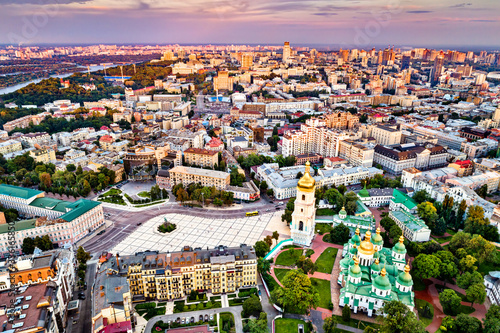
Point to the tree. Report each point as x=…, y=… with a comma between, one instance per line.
x=306, y=265
x=426, y=266
x=340, y=234
x=440, y=227
x=28, y=245
x=462, y=208
x=70, y=167
x=428, y=213
x=268, y=240
x=86, y=188
x=276, y=236
x=45, y=180
x=421, y=196
x=330, y=324
x=448, y=268
x=450, y=301
x=482, y=191
x=299, y=175
x=261, y=248
x=346, y=313
x=394, y=233
x=257, y=325
x=297, y=293
x=492, y=319
x=467, y=279
x=467, y=263
x=476, y=293
x=82, y=256
x=480, y=248
x=467, y=324
x=263, y=266
x=399, y=319
x=252, y=306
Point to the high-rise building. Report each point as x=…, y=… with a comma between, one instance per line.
x=287, y=51
x=405, y=62
x=303, y=216
x=437, y=70
x=246, y=61
x=223, y=81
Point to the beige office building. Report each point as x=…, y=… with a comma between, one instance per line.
x=385, y=135
x=187, y=175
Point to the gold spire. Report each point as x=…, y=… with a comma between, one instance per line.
x=377, y=262
x=306, y=182
x=357, y=230
x=383, y=272
x=356, y=260
x=407, y=268
x=401, y=239
x=378, y=231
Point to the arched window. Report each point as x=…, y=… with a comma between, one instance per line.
x=303, y=197
x=301, y=226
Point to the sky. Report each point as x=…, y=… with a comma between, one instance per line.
x=347, y=23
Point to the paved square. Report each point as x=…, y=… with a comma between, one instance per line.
x=195, y=232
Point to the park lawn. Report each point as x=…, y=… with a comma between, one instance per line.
x=224, y=318
x=451, y=232
x=280, y=273
x=288, y=257
x=113, y=191
x=323, y=228
x=325, y=212
x=442, y=240
x=324, y=290
x=144, y=194
x=326, y=260
x=420, y=305
x=288, y=325
x=487, y=267
x=270, y=282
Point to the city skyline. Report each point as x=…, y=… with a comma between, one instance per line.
x=348, y=24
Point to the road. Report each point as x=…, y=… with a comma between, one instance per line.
x=125, y=222
x=84, y=323
x=235, y=310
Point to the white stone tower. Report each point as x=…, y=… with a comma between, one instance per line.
x=304, y=214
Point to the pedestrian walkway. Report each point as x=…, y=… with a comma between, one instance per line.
x=224, y=301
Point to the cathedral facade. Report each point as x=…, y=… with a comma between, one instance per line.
x=371, y=274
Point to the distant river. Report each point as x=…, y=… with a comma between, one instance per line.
x=15, y=87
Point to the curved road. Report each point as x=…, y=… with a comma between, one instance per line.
x=125, y=222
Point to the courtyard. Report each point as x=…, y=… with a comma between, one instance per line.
x=195, y=232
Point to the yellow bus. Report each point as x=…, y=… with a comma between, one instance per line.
x=253, y=213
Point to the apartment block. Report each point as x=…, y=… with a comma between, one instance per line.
x=168, y=276
x=386, y=135
x=201, y=157
x=187, y=175
x=356, y=154
x=43, y=155
x=313, y=137
x=10, y=146
x=341, y=120
x=396, y=158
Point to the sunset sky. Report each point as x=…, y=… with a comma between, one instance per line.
x=333, y=22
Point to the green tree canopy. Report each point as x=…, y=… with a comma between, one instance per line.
x=297, y=293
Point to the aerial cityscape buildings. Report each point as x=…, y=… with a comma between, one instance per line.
x=273, y=186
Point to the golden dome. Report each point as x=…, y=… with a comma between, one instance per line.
x=307, y=182
x=366, y=246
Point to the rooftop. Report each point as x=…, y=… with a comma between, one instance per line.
x=18, y=192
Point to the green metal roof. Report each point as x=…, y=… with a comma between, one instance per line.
x=18, y=192
x=79, y=208
x=405, y=279
x=51, y=204
x=411, y=222
x=401, y=198
x=19, y=226
x=382, y=282
x=364, y=193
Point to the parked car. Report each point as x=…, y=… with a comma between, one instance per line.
x=101, y=232
x=139, y=223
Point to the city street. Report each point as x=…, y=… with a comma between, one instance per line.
x=84, y=323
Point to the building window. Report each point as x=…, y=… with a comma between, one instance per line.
x=301, y=226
